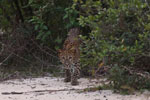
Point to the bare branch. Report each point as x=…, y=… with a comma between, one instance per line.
x=43, y=62
x=51, y=50
x=44, y=50
x=2, y=48
x=142, y=74
x=22, y=58
x=6, y=59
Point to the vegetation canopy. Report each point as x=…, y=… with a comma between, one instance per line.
x=115, y=38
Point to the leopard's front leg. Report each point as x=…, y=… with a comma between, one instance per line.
x=75, y=73
x=67, y=75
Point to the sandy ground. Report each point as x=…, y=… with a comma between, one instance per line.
x=52, y=88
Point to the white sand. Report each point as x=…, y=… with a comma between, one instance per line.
x=58, y=90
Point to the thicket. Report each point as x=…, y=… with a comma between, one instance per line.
x=119, y=40
x=31, y=31
x=115, y=37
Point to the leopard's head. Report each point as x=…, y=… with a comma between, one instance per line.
x=67, y=57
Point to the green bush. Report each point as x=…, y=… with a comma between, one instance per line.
x=48, y=21
x=126, y=81
x=120, y=34
x=119, y=31
x=34, y=29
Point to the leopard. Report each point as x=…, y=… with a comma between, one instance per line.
x=69, y=56
x=71, y=65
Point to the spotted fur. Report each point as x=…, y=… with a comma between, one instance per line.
x=69, y=56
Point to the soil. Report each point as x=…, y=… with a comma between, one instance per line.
x=53, y=88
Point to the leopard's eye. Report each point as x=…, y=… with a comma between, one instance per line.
x=70, y=57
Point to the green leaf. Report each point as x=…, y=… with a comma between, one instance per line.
x=45, y=27
x=30, y=2
x=40, y=34
x=36, y=27
x=147, y=26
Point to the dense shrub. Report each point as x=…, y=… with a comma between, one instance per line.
x=120, y=34
x=48, y=18
x=33, y=30
x=48, y=21
x=119, y=31
x=127, y=81
x=115, y=33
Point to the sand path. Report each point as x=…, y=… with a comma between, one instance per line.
x=52, y=88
